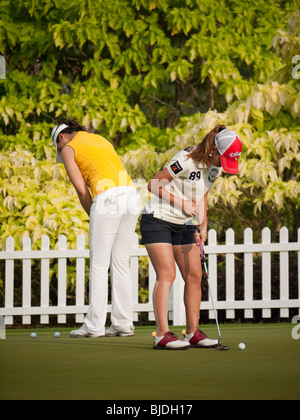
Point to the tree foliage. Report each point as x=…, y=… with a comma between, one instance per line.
x=36, y=200
x=124, y=64
x=153, y=76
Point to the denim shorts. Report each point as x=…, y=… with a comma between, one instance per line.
x=154, y=231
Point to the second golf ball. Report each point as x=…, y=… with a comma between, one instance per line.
x=242, y=346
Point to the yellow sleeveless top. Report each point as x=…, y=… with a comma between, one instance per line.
x=99, y=163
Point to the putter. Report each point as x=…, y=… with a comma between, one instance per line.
x=204, y=261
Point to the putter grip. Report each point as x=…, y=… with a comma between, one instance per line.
x=201, y=249
x=199, y=242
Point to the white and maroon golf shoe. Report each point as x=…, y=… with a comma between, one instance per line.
x=200, y=340
x=169, y=341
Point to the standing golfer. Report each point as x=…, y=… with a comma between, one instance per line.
x=109, y=197
x=179, y=194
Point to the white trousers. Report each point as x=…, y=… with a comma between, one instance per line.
x=113, y=218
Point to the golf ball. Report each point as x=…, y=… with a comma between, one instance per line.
x=57, y=335
x=33, y=335
x=242, y=346
x=154, y=334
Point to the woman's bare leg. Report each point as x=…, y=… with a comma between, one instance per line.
x=188, y=260
x=162, y=258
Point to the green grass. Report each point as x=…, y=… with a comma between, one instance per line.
x=128, y=368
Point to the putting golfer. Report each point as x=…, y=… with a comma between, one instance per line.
x=109, y=197
x=179, y=193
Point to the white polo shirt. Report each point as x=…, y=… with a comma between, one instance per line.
x=191, y=181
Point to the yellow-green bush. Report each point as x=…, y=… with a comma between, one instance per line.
x=37, y=199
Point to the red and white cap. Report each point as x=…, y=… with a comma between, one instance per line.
x=229, y=146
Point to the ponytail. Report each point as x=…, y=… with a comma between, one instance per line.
x=201, y=152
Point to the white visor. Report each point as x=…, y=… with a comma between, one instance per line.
x=54, y=136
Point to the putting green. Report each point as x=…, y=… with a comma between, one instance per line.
x=128, y=369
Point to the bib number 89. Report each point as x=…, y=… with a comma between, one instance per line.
x=195, y=176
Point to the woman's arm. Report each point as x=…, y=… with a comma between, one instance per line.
x=157, y=186
x=76, y=178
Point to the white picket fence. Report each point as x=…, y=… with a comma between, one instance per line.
x=176, y=308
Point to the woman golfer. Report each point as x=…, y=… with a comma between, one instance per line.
x=109, y=197
x=179, y=194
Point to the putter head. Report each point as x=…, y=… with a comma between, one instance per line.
x=220, y=347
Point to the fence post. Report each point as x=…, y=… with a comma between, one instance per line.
x=9, y=280
x=230, y=274
x=266, y=272
x=284, y=271
x=248, y=271
x=45, y=279
x=62, y=279
x=26, y=299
